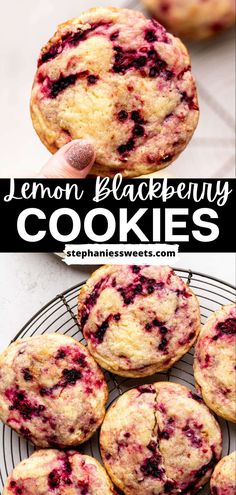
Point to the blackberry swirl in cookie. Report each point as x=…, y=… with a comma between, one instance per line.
x=138, y=320
x=193, y=19
x=122, y=81
x=51, y=472
x=161, y=439
x=215, y=362
x=223, y=481
x=51, y=390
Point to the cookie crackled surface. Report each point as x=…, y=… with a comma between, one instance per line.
x=138, y=320
x=51, y=390
x=215, y=362
x=223, y=481
x=160, y=439
x=120, y=80
x=51, y=472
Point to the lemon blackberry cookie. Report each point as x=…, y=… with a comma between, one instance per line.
x=120, y=80
x=138, y=320
x=54, y=472
x=160, y=439
x=51, y=390
x=223, y=481
x=215, y=362
x=193, y=19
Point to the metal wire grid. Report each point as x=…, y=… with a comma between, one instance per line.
x=59, y=315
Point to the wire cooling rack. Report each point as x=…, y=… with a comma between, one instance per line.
x=59, y=315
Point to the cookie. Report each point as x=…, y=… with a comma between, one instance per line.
x=223, y=481
x=59, y=473
x=120, y=80
x=193, y=19
x=138, y=320
x=215, y=362
x=160, y=439
x=51, y=390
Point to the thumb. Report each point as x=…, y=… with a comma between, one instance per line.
x=72, y=161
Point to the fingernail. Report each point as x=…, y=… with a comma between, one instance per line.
x=80, y=155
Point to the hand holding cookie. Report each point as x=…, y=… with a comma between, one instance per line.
x=122, y=81
x=73, y=161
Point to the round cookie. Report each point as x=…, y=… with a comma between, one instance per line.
x=160, y=439
x=215, y=362
x=223, y=481
x=120, y=80
x=138, y=320
x=49, y=472
x=51, y=390
x=193, y=19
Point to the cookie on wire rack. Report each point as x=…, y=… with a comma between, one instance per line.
x=56, y=472
x=215, y=362
x=52, y=392
x=119, y=79
x=138, y=320
x=160, y=438
x=223, y=481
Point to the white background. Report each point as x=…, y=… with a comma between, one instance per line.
x=28, y=281
x=26, y=25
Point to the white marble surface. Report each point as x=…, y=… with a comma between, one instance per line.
x=29, y=281
x=211, y=152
